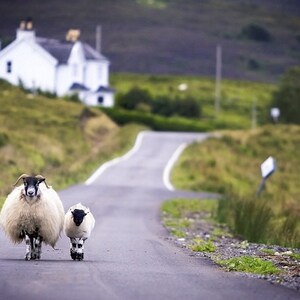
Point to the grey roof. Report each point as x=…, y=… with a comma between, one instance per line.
x=105, y=89
x=78, y=86
x=61, y=50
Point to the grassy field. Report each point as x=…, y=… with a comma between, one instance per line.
x=230, y=165
x=62, y=140
x=237, y=97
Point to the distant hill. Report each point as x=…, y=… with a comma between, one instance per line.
x=259, y=39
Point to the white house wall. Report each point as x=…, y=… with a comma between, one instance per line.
x=28, y=65
x=96, y=75
x=64, y=79
x=91, y=99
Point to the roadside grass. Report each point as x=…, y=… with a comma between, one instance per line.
x=249, y=264
x=230, y=165
x=236, y=100
x=179, y=209
x=176, y=211
x=203, y=246
x=62, y=140
x=177, y=216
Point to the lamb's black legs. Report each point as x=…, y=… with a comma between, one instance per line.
x=77, y=248
x=33, y=246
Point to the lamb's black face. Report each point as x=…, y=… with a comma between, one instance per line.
x=78, y=216
x=31, y=185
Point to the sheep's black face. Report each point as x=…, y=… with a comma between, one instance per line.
x=31, y=185
x=78, y=216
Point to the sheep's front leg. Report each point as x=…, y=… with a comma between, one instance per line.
x=28, y=247
x=73, y=248
x=37, y=247
x=80, y=250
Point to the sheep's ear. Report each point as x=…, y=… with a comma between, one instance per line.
x=21, y=177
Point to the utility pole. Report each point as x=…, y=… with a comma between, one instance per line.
x=218, y=80
x=98, y=38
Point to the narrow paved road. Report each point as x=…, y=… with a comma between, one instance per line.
x=128, y=256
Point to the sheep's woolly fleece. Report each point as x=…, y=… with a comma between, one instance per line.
x=46, y=214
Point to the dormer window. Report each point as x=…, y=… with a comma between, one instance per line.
x=8, y=66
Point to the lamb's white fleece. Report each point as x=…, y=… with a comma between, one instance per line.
x=84, y=229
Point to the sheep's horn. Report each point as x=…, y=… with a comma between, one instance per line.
x=21, y=177
x=43, y=178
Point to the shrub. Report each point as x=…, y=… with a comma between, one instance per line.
x=157, y=122
x=141, y=99
x=163, y=106
x=255, y=32
x=133, y=97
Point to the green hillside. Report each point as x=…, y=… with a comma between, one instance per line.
x=259, y=39
x=59, y=139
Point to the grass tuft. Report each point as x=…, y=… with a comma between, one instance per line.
x=203, y=246
x=249, y=264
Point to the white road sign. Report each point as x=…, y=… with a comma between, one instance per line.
x=268, y=167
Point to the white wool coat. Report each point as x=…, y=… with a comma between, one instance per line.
x=84, y=229
x=46, y=214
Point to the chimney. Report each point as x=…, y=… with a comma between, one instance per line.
x=25, y=30
x=73, y=35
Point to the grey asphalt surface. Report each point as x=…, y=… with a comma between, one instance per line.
x=129, y=255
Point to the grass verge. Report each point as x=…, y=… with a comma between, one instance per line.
x=249, y=264
x=192, y=223
x=230, y=165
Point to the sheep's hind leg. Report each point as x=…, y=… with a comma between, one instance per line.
x=73, y=247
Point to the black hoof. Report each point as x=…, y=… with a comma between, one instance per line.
x=79, y=256
x=73, y=255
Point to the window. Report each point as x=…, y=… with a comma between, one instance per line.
x=8, y=67
x=100, y=99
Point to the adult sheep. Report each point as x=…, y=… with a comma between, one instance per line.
x=79, y=223
x=33, y=211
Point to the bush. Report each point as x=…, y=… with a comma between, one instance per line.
x=255, y=32
x=156, y=122
x=133, y=97
x=163, y=106
x=287, y=97
x=140, y=99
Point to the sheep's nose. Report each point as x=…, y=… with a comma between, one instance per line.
x=30, y=193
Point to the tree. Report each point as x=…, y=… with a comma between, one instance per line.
x=256, y=32
x=287, y=97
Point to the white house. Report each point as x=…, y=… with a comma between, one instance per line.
x=60, y=67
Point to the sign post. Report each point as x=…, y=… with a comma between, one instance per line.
x=268, y=167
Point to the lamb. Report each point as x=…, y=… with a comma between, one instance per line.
x=33, y=211
x=78, y=225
